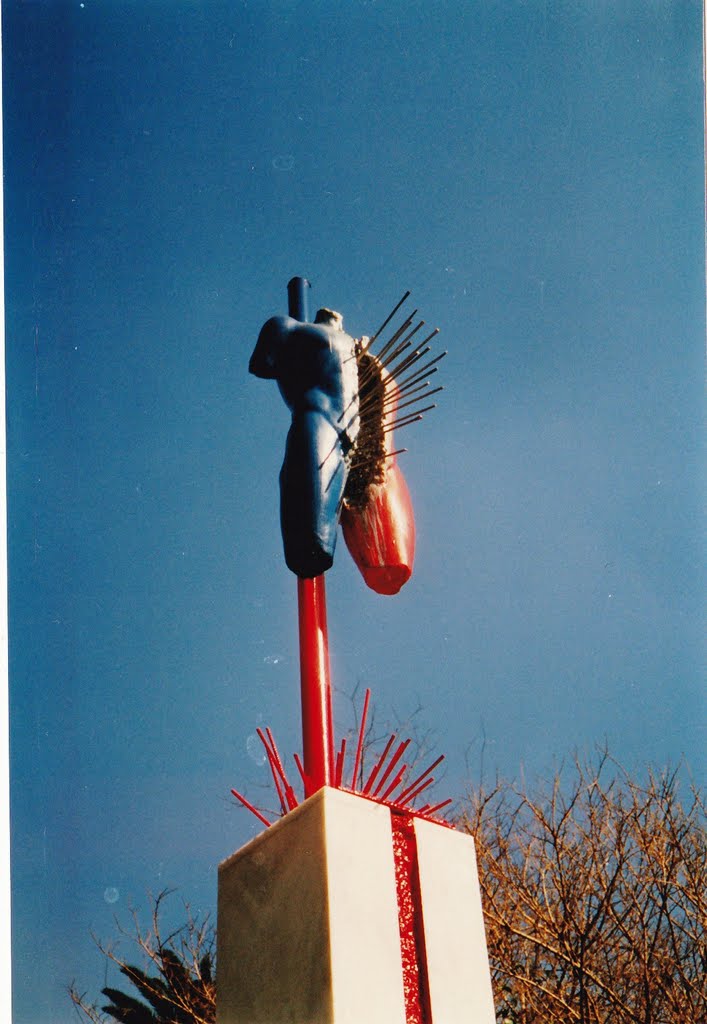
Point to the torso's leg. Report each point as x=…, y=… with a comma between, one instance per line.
x=312, y=482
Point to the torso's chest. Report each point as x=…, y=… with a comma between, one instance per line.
x=316, y=358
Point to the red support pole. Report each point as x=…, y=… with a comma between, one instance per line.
x=317, y=726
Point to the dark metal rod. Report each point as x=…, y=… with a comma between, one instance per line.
x=391, y=341
x=405, y=343
x=389, y=318
x=393, y=761
x=388, y=455
x=420, y=398
x=297, y=301
x=401, y=348
x=395, y=393
x=300, y=769
x=407, y=416
x=399, y=426
x=411, y=381
x=424, y=341
x=409, y=360
x=423, y=369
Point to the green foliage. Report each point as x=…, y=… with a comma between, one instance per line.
x=176, y=995
x=177, y=988
x=126, y=1009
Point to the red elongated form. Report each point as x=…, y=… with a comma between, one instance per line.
x=317, y=726
x=380, y=531
x=377, y=767
x=381, y=537
x=247, y=804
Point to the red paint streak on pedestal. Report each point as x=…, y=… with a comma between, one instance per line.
x=317, y=727
x=412, y=938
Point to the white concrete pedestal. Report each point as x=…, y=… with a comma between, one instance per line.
x=308, y=931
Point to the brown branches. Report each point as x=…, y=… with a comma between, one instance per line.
x=594, y=898
x=594, y=891
x=180, y=988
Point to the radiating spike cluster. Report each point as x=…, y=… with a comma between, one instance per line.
x=389, y=381
x=388, y=782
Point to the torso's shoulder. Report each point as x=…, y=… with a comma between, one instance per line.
x=265, y=358
x=277, y=326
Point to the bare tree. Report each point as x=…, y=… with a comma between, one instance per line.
x=594, y=894
x=180, y=986
x=594, y=890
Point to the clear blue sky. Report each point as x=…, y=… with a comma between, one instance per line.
x=533, y=172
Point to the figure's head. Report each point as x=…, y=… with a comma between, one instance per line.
x=330, y=318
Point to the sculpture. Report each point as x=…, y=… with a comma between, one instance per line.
x=340, y=462
x=360, y=903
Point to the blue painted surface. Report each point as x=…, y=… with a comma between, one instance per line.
x=315, y=368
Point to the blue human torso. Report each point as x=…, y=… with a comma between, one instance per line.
x=316, y=370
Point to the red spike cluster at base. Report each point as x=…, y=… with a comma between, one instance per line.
x=384, y=779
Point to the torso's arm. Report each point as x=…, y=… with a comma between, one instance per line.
x=264, y=361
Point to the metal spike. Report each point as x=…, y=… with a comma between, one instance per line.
x=420, y=398
x=394, y=393
x=418, y=412
x=420, y=373
x=369, y=404
x=399, y=426
x=423, y=342
x=420, y=777
x=405, y=343
x=408, y=418
x=249, y=806
x=413, y=795
x=410, y=360
x=437, y=807
x=388, y=318
x=367, y=462
x=303, y=775
x=401, y=330
x=353, y=400
x=377, y=767
x=411, y=381
x=395, y=783
x=394, y=354
x=339, y=769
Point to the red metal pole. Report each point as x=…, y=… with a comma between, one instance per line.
x=317, y=726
